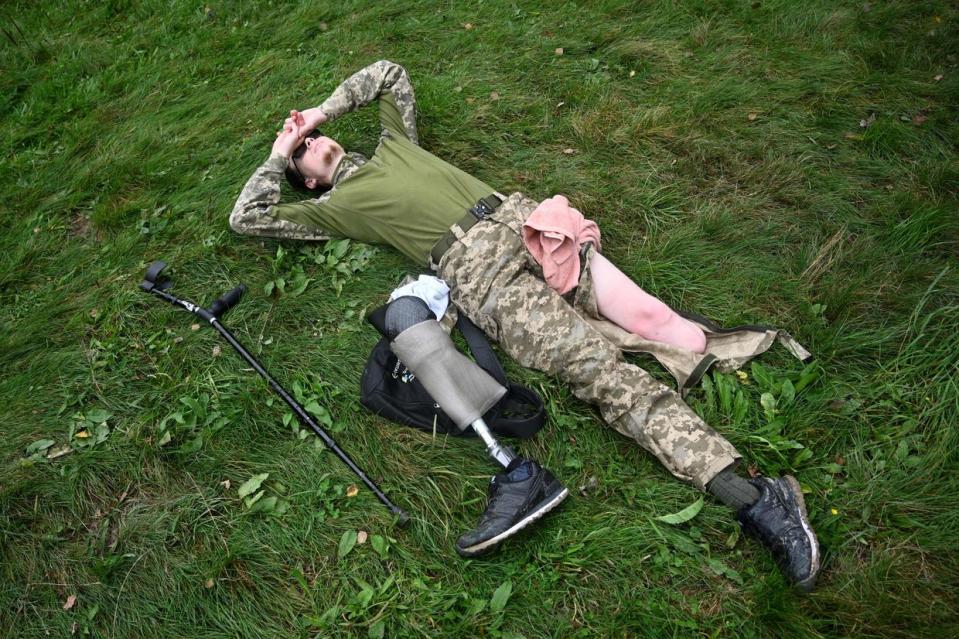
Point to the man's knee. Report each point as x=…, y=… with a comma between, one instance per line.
x=404, y=312
x=653, y=312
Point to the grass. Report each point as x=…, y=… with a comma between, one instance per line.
x=778, y=162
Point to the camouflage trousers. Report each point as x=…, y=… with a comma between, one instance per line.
x=496, y=282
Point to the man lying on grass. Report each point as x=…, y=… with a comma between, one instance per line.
x=531, y=276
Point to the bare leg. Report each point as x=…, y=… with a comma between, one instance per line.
x=628, y=306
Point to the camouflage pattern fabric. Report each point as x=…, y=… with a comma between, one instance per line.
x=495, y=281
x=387, y=81
x=252, y=212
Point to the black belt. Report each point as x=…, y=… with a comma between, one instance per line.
x=479, y=211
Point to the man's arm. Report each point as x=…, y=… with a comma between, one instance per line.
x=387, y=81
x=253, y=212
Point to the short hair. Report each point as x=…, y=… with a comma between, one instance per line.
x=293, y=176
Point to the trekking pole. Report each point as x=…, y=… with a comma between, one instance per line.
x=158, y=287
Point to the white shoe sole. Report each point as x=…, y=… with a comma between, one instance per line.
x=489, y=544
x=809, y=582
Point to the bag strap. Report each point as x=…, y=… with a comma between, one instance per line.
x=481, y=349
x=525, y=399
x=518, y=397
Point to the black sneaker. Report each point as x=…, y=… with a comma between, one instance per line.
x=517, y=498
x=779, y=520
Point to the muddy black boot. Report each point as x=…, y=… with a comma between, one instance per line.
x=517, y=497
x=779, y=520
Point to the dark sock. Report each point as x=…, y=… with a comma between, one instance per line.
x=519, y=470
x=733, y=490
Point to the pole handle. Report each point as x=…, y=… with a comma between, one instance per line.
x=227, y=301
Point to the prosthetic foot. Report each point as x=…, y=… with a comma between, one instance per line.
x=517, y=498
x=779, y=521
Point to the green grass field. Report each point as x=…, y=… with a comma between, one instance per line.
x=792, y=163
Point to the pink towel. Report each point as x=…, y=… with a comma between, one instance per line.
x=554, y=234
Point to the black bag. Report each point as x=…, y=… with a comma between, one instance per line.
x=390, y=390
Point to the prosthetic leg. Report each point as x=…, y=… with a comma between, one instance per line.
x=524, y=491
x=459, y=385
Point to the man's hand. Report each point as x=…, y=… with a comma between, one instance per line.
x=307, y=120
x=288, y=139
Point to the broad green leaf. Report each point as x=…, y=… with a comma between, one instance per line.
x=498, y=601
x=902, y=450
x=165, y=439
x=340, y=248
x=347, y=542
x=249, y=501
x=788, y=393
x=377, y=630
x=733, y=538
x=252, y=484
x=379, y=545
x=683, y=515
x=808, y=376
x=194, y=406
x=102, y=431
x=740, y=407
x=319, y=412
x=365, y=596
x=720, y=568
x=386, y=585
x=476, y=606
x=40, y=445
x=768, y=403
x=192, y=445
x=762, y=376
x=724, y=390
x=98, y=415
x=803, y=456
x=265, y=505
x=300, y=286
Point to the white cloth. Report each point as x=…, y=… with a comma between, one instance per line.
x=432, y=290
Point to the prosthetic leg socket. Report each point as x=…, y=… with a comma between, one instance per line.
x=463, y=389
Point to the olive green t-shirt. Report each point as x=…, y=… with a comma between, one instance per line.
x=403, y=196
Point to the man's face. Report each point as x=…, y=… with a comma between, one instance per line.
x=314, y=159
